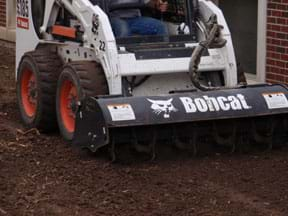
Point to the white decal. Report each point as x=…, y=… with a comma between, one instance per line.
x=276, y=100
x=121, y=112
x=212, y=104
x=163, y=106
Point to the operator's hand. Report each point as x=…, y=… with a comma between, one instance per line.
x=162, y=5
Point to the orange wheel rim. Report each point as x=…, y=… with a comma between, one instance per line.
x=68, y=105
x=29, y=92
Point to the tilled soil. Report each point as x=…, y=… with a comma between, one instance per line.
x=42, y=175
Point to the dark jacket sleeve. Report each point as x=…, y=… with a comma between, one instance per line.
x=125, y=4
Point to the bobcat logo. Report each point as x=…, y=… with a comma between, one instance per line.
x=163, y=106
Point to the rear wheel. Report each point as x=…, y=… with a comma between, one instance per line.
x=77, y=81
x=36, y=89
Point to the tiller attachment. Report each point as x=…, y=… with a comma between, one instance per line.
x=230, y=120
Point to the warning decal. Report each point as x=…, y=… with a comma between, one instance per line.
x=276, y=100
x=22, y=22
x=121, y=112
x=22, y=14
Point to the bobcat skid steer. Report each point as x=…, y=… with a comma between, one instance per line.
x=183, y=87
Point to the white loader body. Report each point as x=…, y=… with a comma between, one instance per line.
x=102, y=47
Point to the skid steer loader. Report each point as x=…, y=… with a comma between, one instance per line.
x=143, y=89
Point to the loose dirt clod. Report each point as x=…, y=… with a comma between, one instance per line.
x=20, y=133
x=30, y=131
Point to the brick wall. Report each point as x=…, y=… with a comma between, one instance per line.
x=277, y=41
x=3, y=13
x=8, y=20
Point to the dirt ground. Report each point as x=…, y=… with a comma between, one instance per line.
x=43, y=175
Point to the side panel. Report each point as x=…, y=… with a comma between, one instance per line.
x=102, y=40
x=26, y=37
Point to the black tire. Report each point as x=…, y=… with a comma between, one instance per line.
x=89, y=80
x=44, y=66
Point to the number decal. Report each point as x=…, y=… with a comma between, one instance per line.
x=102, y=46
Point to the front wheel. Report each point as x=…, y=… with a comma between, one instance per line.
x=77, y=81
x=37, y=77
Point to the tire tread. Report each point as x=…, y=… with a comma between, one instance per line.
x=48, y=66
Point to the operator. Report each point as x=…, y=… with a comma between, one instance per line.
x=126, y=18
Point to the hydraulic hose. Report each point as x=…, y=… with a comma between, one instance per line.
x=213, y=40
